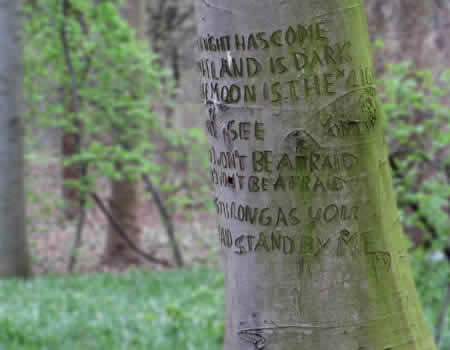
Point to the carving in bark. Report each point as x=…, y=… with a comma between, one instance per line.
x=311, y=239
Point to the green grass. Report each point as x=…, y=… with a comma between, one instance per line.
x=138, y=310
x=178, y=310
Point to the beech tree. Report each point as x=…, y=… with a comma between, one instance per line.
x=13, y=250
x=312, y=242
x=124, y=200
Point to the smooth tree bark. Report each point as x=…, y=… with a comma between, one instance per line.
x=124, y=201
x=14, y=259
x=311, y=238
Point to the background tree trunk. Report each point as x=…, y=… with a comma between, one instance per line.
x=70, y=147
x=71, y=140
x=124, y=204
x=312, y=242
x=13, y=248
x=124, y=201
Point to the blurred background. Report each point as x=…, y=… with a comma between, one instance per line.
x=121, y=227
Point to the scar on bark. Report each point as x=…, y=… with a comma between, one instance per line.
x=208, y=4
x=299, y=140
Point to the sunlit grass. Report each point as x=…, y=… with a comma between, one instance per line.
x=137, y=310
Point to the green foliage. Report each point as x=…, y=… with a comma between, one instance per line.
x=118, y=84
x=432, y=273
x=138, y=310
x=115, y=80
x=419, y=133
x=190, y=151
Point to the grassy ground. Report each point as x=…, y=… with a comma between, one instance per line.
x=164, y=310
x=136, y=310
x=144, y=309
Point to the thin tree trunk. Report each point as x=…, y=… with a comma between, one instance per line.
x=71, y=141
x=14, y=260
x=80, y=224
x=70, y=147
x=125, y=236
x=313, y=248
x=414, y=22
x=166, y=219
x=124, y=202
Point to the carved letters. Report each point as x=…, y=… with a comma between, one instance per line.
x=345, y=244
x=286, y=91
x=292, y=36
x=279, y=217
x=235, y=70
x=300, y=193
x=230, y=64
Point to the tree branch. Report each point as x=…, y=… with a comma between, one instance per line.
x=166, y=219
x=183, y=17
x=124, y=235
x=68, y=58
x=80, y=224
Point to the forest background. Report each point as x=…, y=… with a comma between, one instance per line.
x=120, y=224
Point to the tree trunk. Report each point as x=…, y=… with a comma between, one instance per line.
x=124, y=205
x=415, y=18
x=124, y=202
x=14, y=259
x=312, y=242
x=71, y=147
x=71, y=141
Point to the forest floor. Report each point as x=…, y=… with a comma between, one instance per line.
x=51, y=237
x=176, y=319
x=136, y=310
